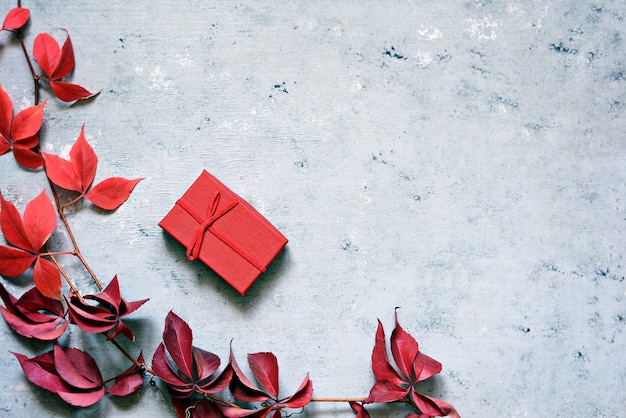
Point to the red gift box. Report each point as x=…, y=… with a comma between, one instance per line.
x=224, y=232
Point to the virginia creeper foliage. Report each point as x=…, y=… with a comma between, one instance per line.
x=197, y=384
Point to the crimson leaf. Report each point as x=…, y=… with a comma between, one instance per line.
x=16, y=18
x=34, y=315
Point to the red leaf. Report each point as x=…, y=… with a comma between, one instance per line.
x=70, y=92
x=129, y=381
x=206, y=363
x=47, y=53
x=82, y=399
x=14, y=261
x=70, y=373
x=66, y=62
x=163, y=370
x=84, y=160
x=404, y=348
x=177, y=337
x=27, y=158
x=6, y=114
x=359, y=409
x=47, y=279
x=385, y=391
x=39, y=220
x=303, y=395
x=233, y=412
x=61, y=173
x=37, y=370
x=13, y=227
x=27, y=122
x=110, y=193
x=380, y=363
x=16, y=18
x=241, y=387
x=4, y=146
x=264, y=367
x=425, y=367
x=46, y=331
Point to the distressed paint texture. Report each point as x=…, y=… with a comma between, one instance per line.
x=463, y=160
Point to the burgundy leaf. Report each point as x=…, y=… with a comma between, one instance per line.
x=425, y=367
x=14, y=261
x=303, y=395
x=390, y=386
x=72, y=371
x=380, y=362
x=82, y=399
x=34, y=315
x=264, y=367
x=47, y=279
x=129, y=381
x=110, y=193
x=164, y=371
x=177, y=337
x=206, y=363
x=38, y=371
x=404, y=348
x=232, y=412
x=105, y=313
x=241, y=387
x=359, y=409
x=16, y=18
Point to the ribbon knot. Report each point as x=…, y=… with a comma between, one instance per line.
x=193, y=251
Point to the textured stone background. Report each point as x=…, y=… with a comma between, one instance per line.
x=463, y=160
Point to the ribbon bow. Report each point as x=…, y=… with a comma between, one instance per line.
x=212, y=215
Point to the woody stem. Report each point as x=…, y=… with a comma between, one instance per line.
x=64, y=274
x=77, y=252
x=130, y=356
x=30, y=64
x=337, y=399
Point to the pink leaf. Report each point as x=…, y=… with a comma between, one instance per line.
x=39, y=220
x=110, y=193
x=264, y=366
x=14, y=261
x=47, y=279
x=84, y=161
x=70, y=92
x=16, y=18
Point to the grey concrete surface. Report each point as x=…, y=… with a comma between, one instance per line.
x=463, y=160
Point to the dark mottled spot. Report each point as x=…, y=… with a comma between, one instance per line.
x=391, y=52
x=563, y=49
x=525, y=330
x=347, y=245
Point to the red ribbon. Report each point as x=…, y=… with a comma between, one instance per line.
x=212, y=215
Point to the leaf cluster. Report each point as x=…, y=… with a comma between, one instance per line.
x=197, y=383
